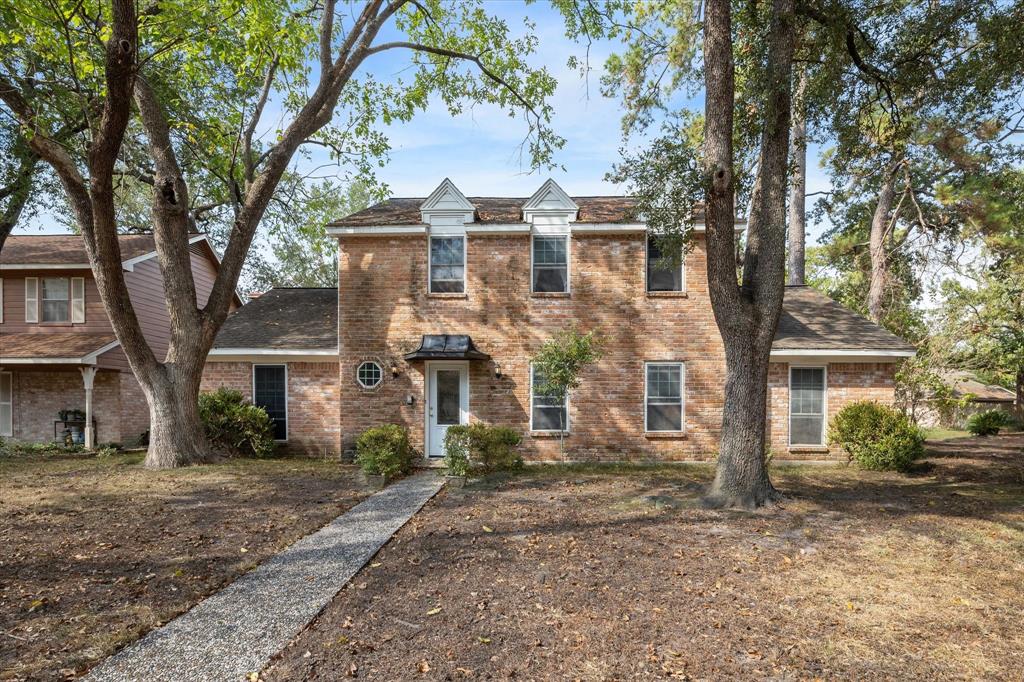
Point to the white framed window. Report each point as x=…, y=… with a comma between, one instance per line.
x=550, y=264
x=270, y=391
x=663, y=273
x=31, y=299
x=6, y=404
x=546, y=413
x=807, y=405
x=369, y=374
x=448, y=265
x=664, y=391
x=56, y=299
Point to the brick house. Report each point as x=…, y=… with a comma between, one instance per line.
x=57, y=347
x=442, y=301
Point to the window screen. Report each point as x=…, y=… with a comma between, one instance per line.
x=551, y=264
x=549, y=414
x=664, y=396
x=447, y=265
x=56, y=294
x=806, y=405
x=270, y=391
x=663, y=273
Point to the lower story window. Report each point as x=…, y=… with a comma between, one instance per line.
x=807, y=406
x=547, y=413
x=270, y=391
x=664, y=391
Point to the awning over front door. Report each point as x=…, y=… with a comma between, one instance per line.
x=447, y=347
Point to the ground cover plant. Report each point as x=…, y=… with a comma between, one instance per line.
x=618, y=573
x=95, y=551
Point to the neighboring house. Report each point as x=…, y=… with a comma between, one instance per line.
x=442, y=302
x=58, y=352
x=967, y=396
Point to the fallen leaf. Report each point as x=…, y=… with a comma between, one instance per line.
x=488, y=529
x=434, y=611
x=423, y=666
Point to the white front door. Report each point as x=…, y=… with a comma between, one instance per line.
x=447, y=402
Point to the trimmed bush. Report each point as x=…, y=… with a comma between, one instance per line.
x=987, y=423
x=235, y=426
x=385, y=451
x=481, y=449
x=877, y=436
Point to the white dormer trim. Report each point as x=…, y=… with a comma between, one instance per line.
x=550, y=209
x=447, y=210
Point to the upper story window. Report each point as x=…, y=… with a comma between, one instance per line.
x=663, y=273
x=664, y=397
x=447, y=265
x=55, y=299
x=807, y=406
x=550, y=264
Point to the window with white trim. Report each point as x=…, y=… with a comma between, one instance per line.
x=664, y=273
x=550, y=264
x=663, y=396
x=806, y=405
x=369, y=374
x=55, y=297
x=270, y=391
x=546, y=413
x=448, y=265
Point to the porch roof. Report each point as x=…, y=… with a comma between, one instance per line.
x=447, y=347
x=80, y=348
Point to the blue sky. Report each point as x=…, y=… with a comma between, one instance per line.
x=478, y=149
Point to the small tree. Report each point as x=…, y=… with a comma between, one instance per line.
x=560, y=361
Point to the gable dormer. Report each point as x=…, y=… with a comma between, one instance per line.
x=447, y=209
x=550, y=207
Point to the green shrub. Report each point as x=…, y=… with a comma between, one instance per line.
x=877, y=436
x=385, y=451
x=987, y=423
x=236, y=426
x=479, y=448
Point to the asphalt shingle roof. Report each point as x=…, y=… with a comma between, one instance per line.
x=812, y=320
x=65, y=249
x=51, y=345
x=284, y=318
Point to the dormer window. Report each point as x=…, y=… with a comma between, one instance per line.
x=448, y=265
x=550, y=264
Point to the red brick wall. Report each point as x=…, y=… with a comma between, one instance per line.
x=134, y=410
x=40, y=395
x=845, y=383
x=313, y=401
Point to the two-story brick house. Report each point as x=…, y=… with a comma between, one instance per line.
x=58, y=351
x=442, y=301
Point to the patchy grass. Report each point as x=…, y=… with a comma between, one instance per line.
x=942, y=433
x=96, y=551
x=595, y=573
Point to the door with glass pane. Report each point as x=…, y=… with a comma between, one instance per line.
x=447, y=402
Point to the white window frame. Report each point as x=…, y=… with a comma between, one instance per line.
x=8, y=430
x=824, y=407
x=682, y=393
x=287, y=397
x=568, y=421
x=32, y=302
x=647, y=263
x=42, y=302
x=379, y=367
x=77, y=302
x=430, y=263
x=568, y=263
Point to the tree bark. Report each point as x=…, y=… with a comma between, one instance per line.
x=876, y=247
x=176, y=435
x=747, y=314
x=798, y=188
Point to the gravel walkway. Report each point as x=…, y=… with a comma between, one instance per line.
x=237, y=630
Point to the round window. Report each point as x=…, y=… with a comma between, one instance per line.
x=369, y=375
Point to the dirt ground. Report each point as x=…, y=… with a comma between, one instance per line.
x=96, y=552
x=618, y=574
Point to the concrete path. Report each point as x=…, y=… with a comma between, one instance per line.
x=237, y=630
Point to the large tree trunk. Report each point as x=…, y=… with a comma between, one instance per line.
x=798, y=186
x=1020, y=393
x=747, y=315
x=876, y=248
x=176, y=436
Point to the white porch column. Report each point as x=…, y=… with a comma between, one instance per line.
x=88, y=374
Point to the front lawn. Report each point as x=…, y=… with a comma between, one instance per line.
x=94, y=552
x=591, y=574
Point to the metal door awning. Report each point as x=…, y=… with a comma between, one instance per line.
x=447, y=347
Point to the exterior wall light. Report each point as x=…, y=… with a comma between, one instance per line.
x=497, y=370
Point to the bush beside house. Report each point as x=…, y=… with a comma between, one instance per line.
x=876, y=436
x=481, y=449
x=987, y=423
x=235, y=426
x=385, y=451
